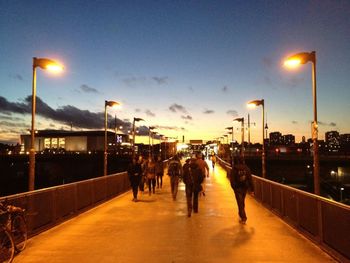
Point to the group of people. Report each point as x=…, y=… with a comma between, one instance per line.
x=193, y=174
x=149, y=171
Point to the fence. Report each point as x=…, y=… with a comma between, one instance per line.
x=325, y=222
x=50, y=206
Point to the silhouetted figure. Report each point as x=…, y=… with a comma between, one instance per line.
x=150, y=172
x=159, y=172
x=241, y=181
x=192, y=177
x=175, y=172
x=135, y=174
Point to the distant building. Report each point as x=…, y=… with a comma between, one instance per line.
x=332, y=141
x=73, y=141
x=288, y=139
x=276, y=138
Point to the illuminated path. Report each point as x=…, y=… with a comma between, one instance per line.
x=157, y=229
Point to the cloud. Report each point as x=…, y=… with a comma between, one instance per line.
x=161, y=80
x=137, y=110
x=224, y=89
x=232, y=113
x=332, y=124
x=294, y=81
x=208, y=111
x=16, y=76
x=150, y=113
x=177, y=108
x=294, y=122
x=187, y=117
x=68, y=115
x=87, y=89
x=172, y=128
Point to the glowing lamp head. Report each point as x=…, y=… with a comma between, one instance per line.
x=113, y=104
x=292, y=63
x=252, y=104
x=300, y=58
x=47, y=64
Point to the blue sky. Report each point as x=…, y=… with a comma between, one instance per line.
x=187, y=67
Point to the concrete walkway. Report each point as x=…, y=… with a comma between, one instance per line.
x=157, y=229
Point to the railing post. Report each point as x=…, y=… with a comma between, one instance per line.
x=319, y=221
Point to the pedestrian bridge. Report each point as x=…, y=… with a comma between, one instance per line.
x=157, y=229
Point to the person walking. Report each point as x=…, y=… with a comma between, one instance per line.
x=192, y=177
x=175, y=172
x=159, y=172
x=204, y=168
x=142, y=162
x=213, y=160
x=241, y=181
x=135, y=174
x=151, y=175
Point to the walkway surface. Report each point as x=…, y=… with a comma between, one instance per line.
x=157, y=229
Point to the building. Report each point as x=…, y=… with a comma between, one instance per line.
x=276, y=138
x=332, y=140
x=288, y=139
x=73, y=141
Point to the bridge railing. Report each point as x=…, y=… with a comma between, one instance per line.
x=50, y=206
x=324, y=221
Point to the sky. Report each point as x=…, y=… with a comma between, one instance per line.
x=186, y=67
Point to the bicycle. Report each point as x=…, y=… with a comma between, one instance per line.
x=13, y=231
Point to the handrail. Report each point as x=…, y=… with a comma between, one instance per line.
x=324, y=221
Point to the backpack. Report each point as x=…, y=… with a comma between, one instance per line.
x=174, y=168
x=239, y=176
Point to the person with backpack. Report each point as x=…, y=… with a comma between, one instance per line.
x=135, y=174
x=175, y=172
x=241, y=181
x=159, y=172
x=150, y=172
x=192, y=177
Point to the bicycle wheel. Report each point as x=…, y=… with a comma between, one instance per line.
x=7, y=247
x=19, y=232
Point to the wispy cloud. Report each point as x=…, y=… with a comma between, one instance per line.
x=161, y=80
x=294, y=122
x=267, y=62
x=16, y=76
x=137, y=110
x=232, y=113
x=186, y=117
x=150, y=113
x=177, y=108
x=208, y=111
x=224, y=89
x=87, y=89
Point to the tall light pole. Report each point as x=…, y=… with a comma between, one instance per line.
x=133, y=134
x=110, y=104
x=53, y=66
x=242, y=133
x=150, y=129
x=293, y=62
x=253, y=104
x=232, y=153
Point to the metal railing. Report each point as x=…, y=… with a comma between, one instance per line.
x=48, y=207
x=324, y=221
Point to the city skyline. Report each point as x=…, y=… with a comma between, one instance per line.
x=187, y=68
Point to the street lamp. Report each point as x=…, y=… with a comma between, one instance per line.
x=52, y=66
x=293, y=62
x=133, y=134
x=110, y=104
x=150, y=129
x=242, y=133
x=253, y=104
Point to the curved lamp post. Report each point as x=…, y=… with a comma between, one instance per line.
x=242, y=133
x=109, y=104
x=133, y=134
x=253, y=104
x=293, y=62
x=49, y=65
x=150, y=129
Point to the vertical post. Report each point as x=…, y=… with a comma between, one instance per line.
x=263, y=155
x=133, y=139
x=149, y=141
x=31, y=181
x=315, y=127
x=242, y=146
x=105, y=144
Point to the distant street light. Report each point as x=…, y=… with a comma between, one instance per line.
x=293, y=62
x=242, y=133
x=150, y=129
x=133, y=134
x=109, y=104
x=52, y=66
x=253, y=104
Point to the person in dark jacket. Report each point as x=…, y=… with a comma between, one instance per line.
x=192, y=177
x=135, y=174
x=241, y=182
x=159, y=172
